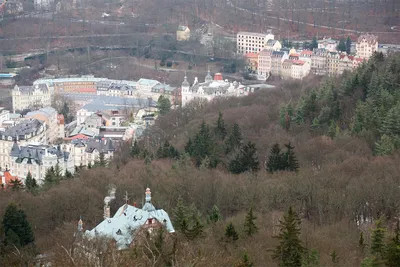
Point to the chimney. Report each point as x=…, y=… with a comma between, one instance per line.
x=107, y=213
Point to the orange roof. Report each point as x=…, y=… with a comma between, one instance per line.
x=78, y=136
x=306, y=52
x=6, y=179
x=87, y=90
x=298, y=62
x=251, y=55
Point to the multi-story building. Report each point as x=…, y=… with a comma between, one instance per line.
x=345, y=63
x=300, y=69
x=286, y=71
x=4, y=116
x=319, y=61
x=182, y=33
x=82, y=85
x=332, y=63
x=48, y=116
x=252, y=61
x=366, y=45
x=29, y=130
x=37, y=159
x=61, y=125
x=328, y=44
x=277, y=58
x=25, y=97
x=251, y=42
x=305, y=55
x=264, y=63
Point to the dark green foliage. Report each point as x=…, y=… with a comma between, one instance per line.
x=361, y=242
x=290, y=250
x=290, y=159
x=348, y=45
x=392, y=253
x=163, y=104
x=167, y=151
x=181, y=216
x=314, y=43
x=187, y=220
x=250, y=227
x=245, y=160
x=68, y=174
x=245, y=261
x=50, y=177
x=234, y=140
x=220, y=128
x=230, y=232
x=342, y=45
x=30, y=183
x=16, y=184
x=16, y=226
x=377, y=242
x=275, y=160
x=215, y=215
x=310, y=258
x=135, y=151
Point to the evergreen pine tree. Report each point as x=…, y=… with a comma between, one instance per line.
x=89, y=166
x=290, y=251
x=136, y=151
x=57, y=173
x=290, y=159
x=203, y=145
x=16, y=184
x=15, y=222
x=49, y=178
x=30, y=183
x=102, y=161
x=234, y=139
x=377, y=242
x=68, y=174
x=250, y=228
x=348, y=45
x=275, y=160
x=163, y=104
x=361, y=242
x=245, y=261
x=245, y=160
x=342, y=45
x=220, y=127
x=230, y=232
x=310, y=258
x=314, y=43
x=215, y=215
x=189, y=147
x=181, y=216
x=392, y=253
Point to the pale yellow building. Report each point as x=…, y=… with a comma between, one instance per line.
x=366, y=45
x=183, y=33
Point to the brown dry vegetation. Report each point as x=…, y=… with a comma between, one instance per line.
x=339, y=182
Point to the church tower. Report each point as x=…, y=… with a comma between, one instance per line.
x=185, y=91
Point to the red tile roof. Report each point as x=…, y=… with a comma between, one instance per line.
x=251, y=55
x=306, y=52
x=6, y=179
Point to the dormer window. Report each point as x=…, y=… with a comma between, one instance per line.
x=119, y=232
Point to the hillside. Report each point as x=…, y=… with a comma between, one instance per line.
x=339, y=189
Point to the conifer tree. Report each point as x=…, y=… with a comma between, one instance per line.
x=275, y=160
x=163, y=104
x=30, y=183
x=136, y=151
x=181, y=216
x=377, y=243
x=342, y=45
x=234, y=140
x=290, y=159
x=68, y=174
x=15, y=225
x=348, y=45
x=250, y=228
x=220, y=127
x=310, y=258
x=203, y=145
x=392, y=253
x=361, y=242
x=49, y=178
x=215, y=215
x=245, y=160
x=57, y=173
x=189, y=147
x=290, y=250
x=230, y=232
x=245, y=261
x=16, y=184
x=314, y=43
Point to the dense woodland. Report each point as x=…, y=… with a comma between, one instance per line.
x=305, y=174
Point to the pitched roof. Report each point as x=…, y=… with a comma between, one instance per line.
x=369, y=38
x=251, y=55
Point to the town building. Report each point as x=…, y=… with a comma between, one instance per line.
x=252, y=61
x=49, y=117
x=29, y=97
x=366, y=45
x=28, y=130
x=4, y=116
x=6, y=178
x=37, y=159
x=264, y=64
x=318, y=61
x=305, y=55
x=7, y=79
x=300, y=69
x=182, y=33
x=332, y=63
x=251, y=42
x=208, y=89
x=273, y=45
x=125, y=226
x=81, y=85
x=328, y=44
x=286, y=71
x=277, y=58
x=145, y=85
x=61, y=125
x=345, y=63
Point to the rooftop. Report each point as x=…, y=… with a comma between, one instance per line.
x=147, y=82
x=253, y=34
x=26, y=127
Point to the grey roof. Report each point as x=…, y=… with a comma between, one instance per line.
x=271, y=42
x=28, y=126
x=278, y=53
x=120, y=87
x=102, y=146
x=100, y=103
x=31, y=89
x=128, y=219
x=35, y=153
x=46, y=111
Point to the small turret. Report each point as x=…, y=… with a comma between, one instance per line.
x=208, y=77
x=185, y=85
x=80, y=225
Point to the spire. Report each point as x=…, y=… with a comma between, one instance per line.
x=148, y=195
x=148, y=206
x=208, y=77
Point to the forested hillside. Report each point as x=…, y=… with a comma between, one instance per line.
x=293, y=176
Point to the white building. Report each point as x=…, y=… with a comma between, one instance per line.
x=252, y=42
x=300, y=69
x=366, y=45
x=24, y=97
x=328, y=44
x=37, y=159
x=48, y=116
x=4, y=116
x=209, y=89
x=30, y=130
